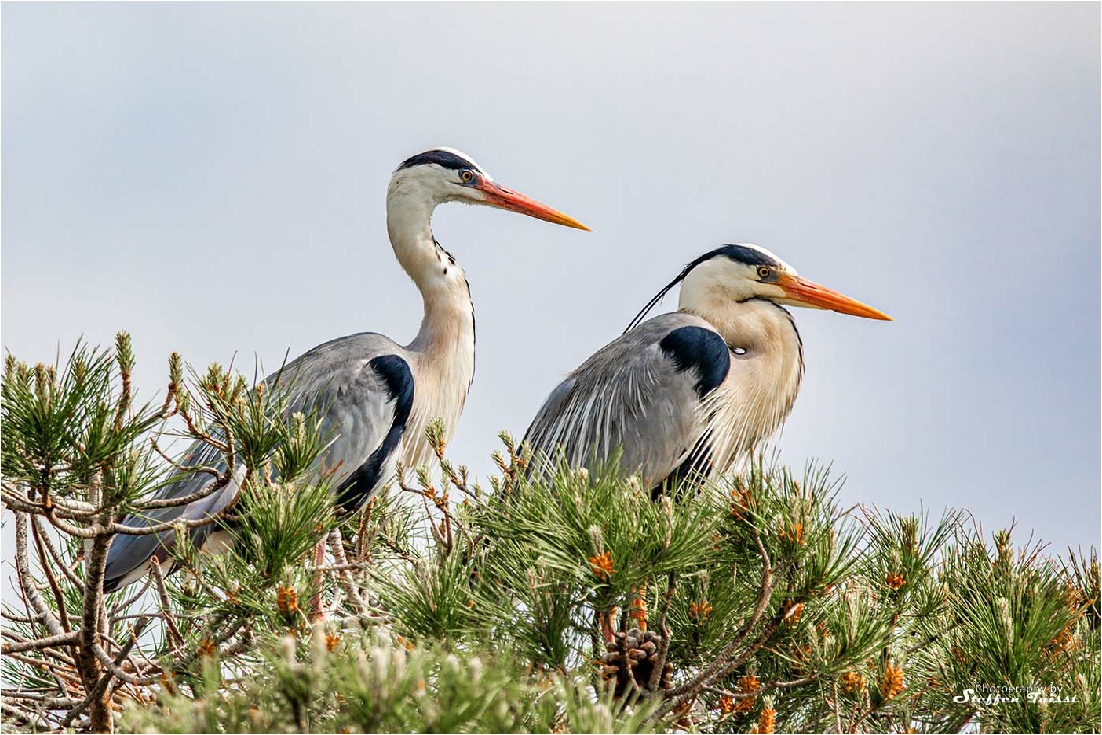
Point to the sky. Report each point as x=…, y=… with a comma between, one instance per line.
x=212, y=178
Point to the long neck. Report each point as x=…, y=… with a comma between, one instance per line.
x=444, y=348
x=766, y=370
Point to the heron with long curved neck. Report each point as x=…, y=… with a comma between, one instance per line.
x=690, y=393
x=376, y=396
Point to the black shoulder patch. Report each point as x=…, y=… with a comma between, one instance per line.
x=700, y=349
x=362, y=484
x=444, y=159
x=399, y=380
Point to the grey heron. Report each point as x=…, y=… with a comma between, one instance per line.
x=377, y=396
x=689, y=393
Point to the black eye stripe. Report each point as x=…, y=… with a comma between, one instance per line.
x=444, y=159
x=739, y=253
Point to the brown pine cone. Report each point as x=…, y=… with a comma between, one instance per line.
x=633, y=654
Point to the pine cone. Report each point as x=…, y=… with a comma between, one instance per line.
x=633, y=653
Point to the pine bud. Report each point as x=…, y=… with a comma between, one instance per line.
x=362, y=666
x=475, y=665
x=175, y=369
x=40, y=391
x=1002, y=608
x=398, y=659
x=317, y=642
x=124, y=352
x=288, y=646
x=378, y=659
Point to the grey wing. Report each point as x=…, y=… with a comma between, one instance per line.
x=640, y=395
x=363, y=388
x=128, y=555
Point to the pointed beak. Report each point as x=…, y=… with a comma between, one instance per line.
x=499, y=196
x=805, y=293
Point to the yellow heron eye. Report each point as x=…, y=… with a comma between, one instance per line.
x=466, y=176
x=764, y=271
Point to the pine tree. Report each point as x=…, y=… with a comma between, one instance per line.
x=568, y=603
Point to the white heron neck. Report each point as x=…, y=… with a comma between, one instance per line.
x=444, y=348
x=767, y=367
x=409, y=224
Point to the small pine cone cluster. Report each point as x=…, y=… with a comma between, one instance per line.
x=633, y=654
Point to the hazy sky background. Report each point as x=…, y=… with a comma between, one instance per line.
x=212, y=178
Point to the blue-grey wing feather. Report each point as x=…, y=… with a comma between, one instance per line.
x=639, y=395
x=362, y=387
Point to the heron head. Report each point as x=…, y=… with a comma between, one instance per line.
x=742, y=272
x=737, y=273
x=446, y=175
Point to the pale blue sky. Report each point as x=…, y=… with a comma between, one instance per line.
x=211, y=178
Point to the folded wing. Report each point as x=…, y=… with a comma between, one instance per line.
x=640, y=395
x=363, y=389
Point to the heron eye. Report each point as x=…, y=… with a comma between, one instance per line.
x=466, y=176
x=764, y=272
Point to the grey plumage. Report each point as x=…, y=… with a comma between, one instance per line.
x=356, y=405
x=374, y=396
x=630, y=395
x=690, y=393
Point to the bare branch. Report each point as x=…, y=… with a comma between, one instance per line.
x=69, y=507
x=709, y=674
x=45, y=699
x=763, y=688
x=664, y=631
x=65, y=568
x=336, y=543
x=22, y=503
x=837, y=710
x=25, y=716
x=222, y=479
x=47, y=568
x=16, y=618
x=117, y=528
x=166, y=606
x=112, y=667
x=63, y=673
x=27, y=645
x=124, y=604
x=69, y=528
x=43, y=614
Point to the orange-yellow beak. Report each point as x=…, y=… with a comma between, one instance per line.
x=499, y=196
x=805, y=293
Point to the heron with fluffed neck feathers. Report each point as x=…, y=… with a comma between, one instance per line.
x=688, y=394
x=376, y=396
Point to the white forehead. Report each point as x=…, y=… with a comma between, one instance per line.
x=770, y=254
x=461, y=154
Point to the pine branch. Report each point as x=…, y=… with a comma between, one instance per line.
x=39, y=643
x=727, y=660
